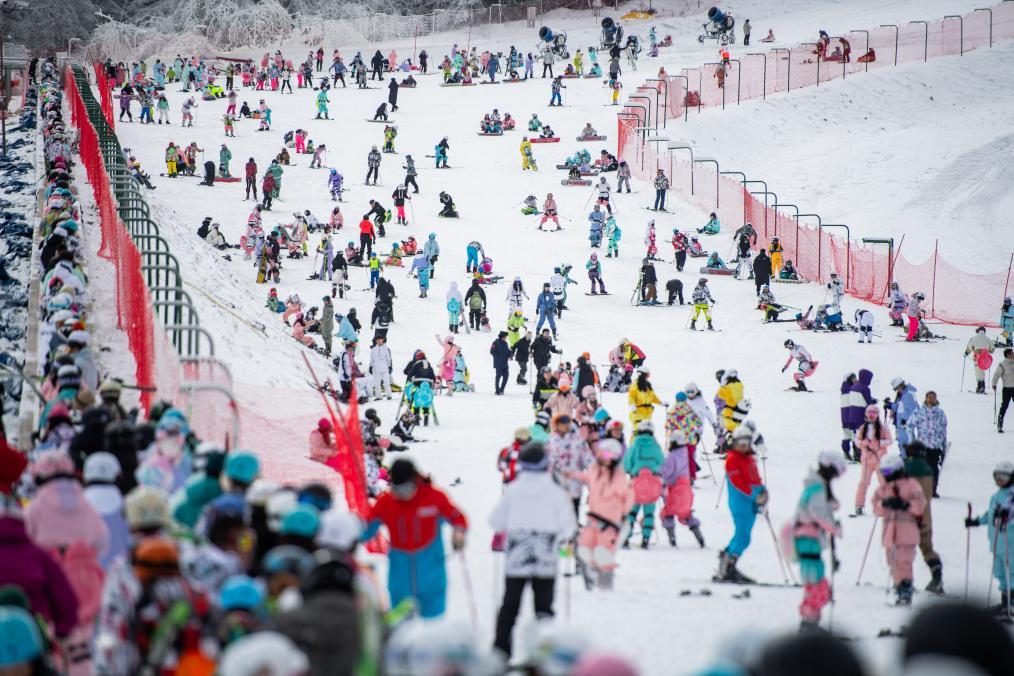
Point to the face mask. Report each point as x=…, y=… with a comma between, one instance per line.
x=171, y=445
x=403, y=491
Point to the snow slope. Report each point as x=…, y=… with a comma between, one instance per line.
x=645, y=617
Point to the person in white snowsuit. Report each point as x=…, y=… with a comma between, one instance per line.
x=700, y=406
x=516, y=296
x=898, y=302
x=837, y=289
x=806, y=364
x=380, y=368
x=604, y=190
x=327, y=253
x=864, y=323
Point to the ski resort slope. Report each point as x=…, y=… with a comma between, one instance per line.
x=921, y=150
x=645, y=617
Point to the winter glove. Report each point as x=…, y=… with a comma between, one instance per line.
x=458, y=540
x=783, y=368
x=895, y=503
x=971, y=522
x=762, y=498
x=1001, y=515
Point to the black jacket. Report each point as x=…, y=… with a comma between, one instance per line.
x=501, y=354
x=648, y=275
x=385, y=290
x=542, y=351
x=473, y=290
x=762, y=268
x=419, y=369
x=521, y=349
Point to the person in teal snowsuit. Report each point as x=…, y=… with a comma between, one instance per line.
x=998, y=518
x=224, y=157
x=322, y=102
x=644, y=454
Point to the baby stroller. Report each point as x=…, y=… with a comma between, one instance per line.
x=720, y=26
x=554, y=42
x=612, y=33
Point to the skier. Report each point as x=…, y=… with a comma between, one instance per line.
x=980, y=345
x=677, y=478
x=334, y=183
x=661, y=186
x=928, y=424
x=432, y=250
x=613, y=234
x=399, y=196
x=536, y=517
x=903, y=407
x=545, y=307
x=187, y=110
x=410, y=173
x=623, y=177
x=322, y=102
x=527, y=159
x=610, y=499
x=647, y=284
x=900, y=502
x=864, y=324
x=594, y=268
x=837, y=289
x=897, y=301
x=872, y=440
x=556, y=99
x=516, y=295
x=814, y=522
x=224, y=157
x=1004, y=376
x=702, y=300
x=1007, y=321
x=373, y=166
x=603, y=194
x=650, y=241
x=914, y=312
x=549, y=212
x=747, y=496
x=416, y=562
x=807, y=365
x=998, y=519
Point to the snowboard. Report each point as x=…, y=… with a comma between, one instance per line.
x=575, y=183
x=555, y=139
x=726, y=272
x=591, y=138
x=486, y=133
x=379, y=121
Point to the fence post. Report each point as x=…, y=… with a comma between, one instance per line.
x=764, y=81
x=933, y=288
x=925, y=40
x=961, y=34
x=896, y=32
x=788, y=59
x=988, y=9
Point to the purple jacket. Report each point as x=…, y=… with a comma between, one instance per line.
x=24, y=564
x=676, y=464
x=859, y=398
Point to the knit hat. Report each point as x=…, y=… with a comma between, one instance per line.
x=522, y=434
x=542, y=418
x=533, y=457
x=146, y=507
x=68, y=376
x=155, y=557
x=339, y=530
x=80, y=338
x=681, y=396
x=891, y=464
x=402, y=472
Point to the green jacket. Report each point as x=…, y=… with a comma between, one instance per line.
x=644, y=452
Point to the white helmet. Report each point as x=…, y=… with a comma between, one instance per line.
x=742, y=432
x=678, y=437
x=339, y=530
x=1005, y=468
x=891, y=463
x=691, y=389
x=831, y=460
x=897, y=382
x=609, y=449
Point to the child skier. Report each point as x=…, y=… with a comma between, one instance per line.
x=610, y=498
x=596, y=221
x=807, y=365
x=702, y=301
x=873, y=438
x=594, y=268
x=684, y=419
x=900, y=502
x=381, y=365
x=998, y=517
x=747, y=497
x=813, y=523
x=549, y=212
x=643, y=462
x=679, y=495
x=864, y=324
x=613, y=234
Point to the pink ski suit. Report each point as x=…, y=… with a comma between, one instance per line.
x=901, y=527
x=873, y=447
x=610, y=497
x=321, y=449
x=447, y=361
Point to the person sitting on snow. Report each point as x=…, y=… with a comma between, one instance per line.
x=788, y=271
x=534, y=124
x=715, y=262
x=547, y=132
x=588, y=130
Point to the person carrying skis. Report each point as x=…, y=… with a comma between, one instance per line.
x=594, y=268
x=677, y=478
x=998, y=518
x=545, y=307
x=813, y=524
x=873, y=438
x=980, y=345
x=901, y=503
x=807, y=365
x=610, y=499
x=549, y=212
x=747, y=497
x=535, y=515
x=702, y=300
x=643, y=463
x=417, y=565
x=373, y=166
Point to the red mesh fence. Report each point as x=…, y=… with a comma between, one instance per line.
x=105, y=95
x=953, y=295
x=134, y=314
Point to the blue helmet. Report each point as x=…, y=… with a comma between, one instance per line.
x=22, y=640
x=240, y=592
x=334, y=171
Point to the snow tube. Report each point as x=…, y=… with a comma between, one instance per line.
x=983, y=360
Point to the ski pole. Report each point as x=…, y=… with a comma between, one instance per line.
x=869, y=542
x=721, y=489
x=834, y=569
x=968, y=550
x=996, y=539
x=964, y=362
x=707, y=459
x=1006, y=566
x=473, y=609
x=786, y=568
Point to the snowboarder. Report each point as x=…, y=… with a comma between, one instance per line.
x=807, y=365
x=813, y=524
x=410, y=173
x=596, y=221
x=447, y=208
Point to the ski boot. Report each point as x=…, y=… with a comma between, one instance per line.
x=645, y=542
x=904, y=593
x=809, y=627
x=693, y=324
x=696, y=530
x=859, y=511
x=1000, y=609
x=605, y=581
x=671, y=532
x=936, y=585
x=727, y=571
x=710, y=327
x=800, y=386
x=980, y=387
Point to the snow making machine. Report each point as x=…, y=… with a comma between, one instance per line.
x=720, y=26
x=555, y=42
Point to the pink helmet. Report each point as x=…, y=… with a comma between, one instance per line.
x=609, y=449
x=874, y=409
x=52, y=464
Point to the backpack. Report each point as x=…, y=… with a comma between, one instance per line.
x=80, y=563
x=647, y=487
x=475, y=302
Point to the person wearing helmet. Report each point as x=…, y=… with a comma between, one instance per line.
x=807, y=364
x=610, y=498
x=981, y=347
x=915, y=314
x=901, y=503
x=416, y=562
x=536, y=516
x=813, y=524
x=641, y=398
x=682, y=418
x=747, y=496
x=594, y=268
x=897, y=301
x=998, y=519
x=702, y=300
x=527, y=159
x=678, y=486
x=373, y=166
x=928, y=424
x=643, y=462
x=872, y=439
x=902, y=409
x=1004, y=376
x=730, y=396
